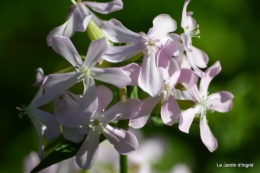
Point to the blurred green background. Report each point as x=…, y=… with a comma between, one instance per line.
x=229, y=33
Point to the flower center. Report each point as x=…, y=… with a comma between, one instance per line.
x=24, y=110
x=95, y=124
x=168, y=91
x=204, y=105
x=84, y=73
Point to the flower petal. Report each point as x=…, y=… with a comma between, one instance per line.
x=162, y=25
x=105, y=96
x=106, y=7
x=95, y=52
x=114, y=76
x=81, y=16
x=186, y=42
x=39, y=132
x=54, y=84
x=64, y=47
x=124, y=142
x=209, y=74
x=189, y=77
x=206, y=135
x=165, y=54
x=118, y=33
x=186, y=119
x=117, y=54
x=133, y=71
x=187, y=22
x=221, y=101
x=49, y=121
x=39, y=77
x=150, y=79
x=72, y=134
x=89, y=102
x=121, y=110
x=87, y=154
x=200, y=58
x=148, y=105
x=170, y=111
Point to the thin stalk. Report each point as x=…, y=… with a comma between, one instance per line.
x=123, y=164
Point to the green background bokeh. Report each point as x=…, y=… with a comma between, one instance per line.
x=229, y=33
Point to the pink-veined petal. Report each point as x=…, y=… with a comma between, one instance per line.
x=200, y=58
x=64, y=47
x=221, y=101
x=87, y=154
x=133, y=71
x=39, y=132
x=114, y=76
x=124, y=142
x=150, y=79
x=209, y=74
x=96, y=50
x=72, y=134
x=186, y=119
x=54, y=84
x=148, y=105
x=162, y=25
x=206, y=135
x=121, y=110
x=117, y=32
x=170, y=111
x=105, y=7
x=117, y=54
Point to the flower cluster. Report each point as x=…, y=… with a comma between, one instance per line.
x=164, y=65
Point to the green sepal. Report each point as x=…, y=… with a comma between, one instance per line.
x=94, y=32
x=134, y=92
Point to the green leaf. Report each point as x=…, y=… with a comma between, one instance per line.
x=185, y=104
x=64, y=150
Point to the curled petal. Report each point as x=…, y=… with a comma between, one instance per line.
x=186, y=119
x=118, y=33
x=186, y=42
x=124, y=142
x=206, y=135
x=95, y=52
x=165, y=54
x=54, y=84
x=81, y=17
x=187, y=22
x=133, y=71
x=162, y=25
x=49, y=121
x=105, y=8
x=221, y=101
x=39, y=132
x=39, y=77
x=64, y=47
x=200, y=58
x=148, y=105
x=114, y=76
x=170, y=111
x=209, y=74
x=87, y=154
x=188, y=76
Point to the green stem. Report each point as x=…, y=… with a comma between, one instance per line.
x=123, y=164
